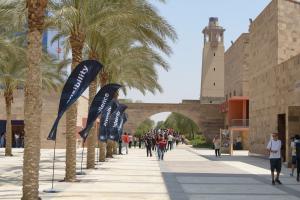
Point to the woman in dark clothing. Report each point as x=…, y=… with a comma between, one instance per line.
x=140, y=142
x=148, y=144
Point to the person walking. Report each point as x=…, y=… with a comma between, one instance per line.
x=297, y=146
x=125, y=140
x=134, y=141
x=170, y=142
x=294, y=161
x=274, y=148
x=140, y=142
x=217, y=146
x=162, y=143
x=148, y=144
x=120, y=146
x=130, y=137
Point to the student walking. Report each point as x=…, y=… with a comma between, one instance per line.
x=134, y=141
x=125, y=140
x=294, y=161
x=161, y=147
x=297, y=146
x=148, y=144
x=274, y=148
x=170, y=142
x=217, y=146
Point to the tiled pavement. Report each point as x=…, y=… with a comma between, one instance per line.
x=185, y=174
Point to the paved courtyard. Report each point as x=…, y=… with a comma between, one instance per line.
x=186, y=174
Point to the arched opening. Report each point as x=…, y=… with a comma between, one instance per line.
x=179, y=123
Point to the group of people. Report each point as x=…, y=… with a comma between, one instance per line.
x=160, y=140
x=18, y=140
x=274, y=149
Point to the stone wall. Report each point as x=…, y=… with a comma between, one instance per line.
x=236, y=68
x=273, y=38
x=206, y=116
x=275, y=93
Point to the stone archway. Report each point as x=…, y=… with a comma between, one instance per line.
x=206, y=116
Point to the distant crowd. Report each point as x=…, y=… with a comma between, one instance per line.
x=160, y=140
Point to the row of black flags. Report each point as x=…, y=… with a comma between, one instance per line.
x=112, y=113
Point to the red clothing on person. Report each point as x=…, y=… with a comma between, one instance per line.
x=125, y=138
x=162, y=144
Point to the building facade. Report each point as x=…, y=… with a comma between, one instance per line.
x=49, y=113
x=236, y=91
x=264, y=66
x=274, y=41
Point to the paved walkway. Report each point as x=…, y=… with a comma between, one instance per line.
x=186, y=174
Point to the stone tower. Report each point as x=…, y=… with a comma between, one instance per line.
x=212, y=81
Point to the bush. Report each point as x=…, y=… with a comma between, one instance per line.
x=200, y=142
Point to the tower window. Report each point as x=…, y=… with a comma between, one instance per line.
x=214, y=69
x=214, y=54
x=214, y=84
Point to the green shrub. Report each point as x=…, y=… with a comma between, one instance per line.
x=200, y=142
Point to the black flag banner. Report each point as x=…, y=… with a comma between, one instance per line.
x=121, y=125
x=100, y=101
x=104, y=120
x=80, y=78
x=115, y=120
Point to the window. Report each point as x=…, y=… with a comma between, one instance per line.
x=214, y=84
x=214, y=69
x=234, y=93
x=214, y=54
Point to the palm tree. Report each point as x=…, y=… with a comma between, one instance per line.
x=12, y=77
x=117, y=50
x=36, y=10
x=12, y=62
x=75, y=19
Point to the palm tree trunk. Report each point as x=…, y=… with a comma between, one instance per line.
x=8, y=100
x=109, y=150
x=92, y=138
x=115, y=148
x=33, y=100
x=103, y=81
x=102, y=154
x=76, y=42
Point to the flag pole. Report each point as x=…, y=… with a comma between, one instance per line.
x=52, y=190
x=81, y=172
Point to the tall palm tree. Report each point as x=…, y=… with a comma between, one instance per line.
x=12, y=62
x=76, y=18
x=144, y=27
x=36, y=10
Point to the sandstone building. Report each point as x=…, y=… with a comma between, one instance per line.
x=236, y=90
x=264, y=65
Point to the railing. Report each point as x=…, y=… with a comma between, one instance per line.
x=243, y=123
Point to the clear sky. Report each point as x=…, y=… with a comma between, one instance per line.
x=189, y=17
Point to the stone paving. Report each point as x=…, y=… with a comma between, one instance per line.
x=185, y=174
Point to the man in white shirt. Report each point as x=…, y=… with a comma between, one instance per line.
x=274, y=148
x=170, y=142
